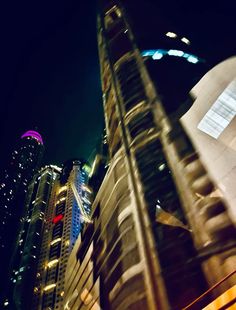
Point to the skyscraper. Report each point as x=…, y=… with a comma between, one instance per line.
x=58, y=203
x=69, y=208
x=23, y=164
x=143, y=249
x=29, y=240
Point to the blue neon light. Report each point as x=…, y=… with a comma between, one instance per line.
x=158, y=54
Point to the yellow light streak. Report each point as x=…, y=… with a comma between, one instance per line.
x=52, y=263
x=49, y=287
x=55, y=241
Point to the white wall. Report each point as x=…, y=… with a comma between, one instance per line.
x=219, y=155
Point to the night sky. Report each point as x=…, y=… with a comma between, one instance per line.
x=50, y=76
x=49, y=67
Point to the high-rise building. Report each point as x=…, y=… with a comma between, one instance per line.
x=70, y=204
x=22, y=166
x=144, y=249
x=58, y=204
x=29, y=240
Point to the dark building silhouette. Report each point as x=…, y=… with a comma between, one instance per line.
x=23, y=164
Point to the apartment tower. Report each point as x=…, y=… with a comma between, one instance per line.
x=68, y=209
x=150, y=244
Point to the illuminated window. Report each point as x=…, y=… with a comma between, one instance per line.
x=185, y=40
x=175, y=53
x=52, y=263
x=6, y=303
x=171, y=34
x=56, y=241
x=161, y=167
x=221, y=113
x=192, y=59
x=157, y=55
x=49, y=287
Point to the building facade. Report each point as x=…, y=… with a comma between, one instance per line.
x=57, y=206
x=22, y=166
x=143, y=249
x=68, y=209
x=211, y=125
x=29, y=240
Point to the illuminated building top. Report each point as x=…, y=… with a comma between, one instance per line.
x=33, y=134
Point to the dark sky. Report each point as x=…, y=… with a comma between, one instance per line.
x=50, y=76
x=49, y=66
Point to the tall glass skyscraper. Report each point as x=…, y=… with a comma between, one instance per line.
x=23, y=164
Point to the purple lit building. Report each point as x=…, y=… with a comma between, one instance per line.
x=23, y=163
